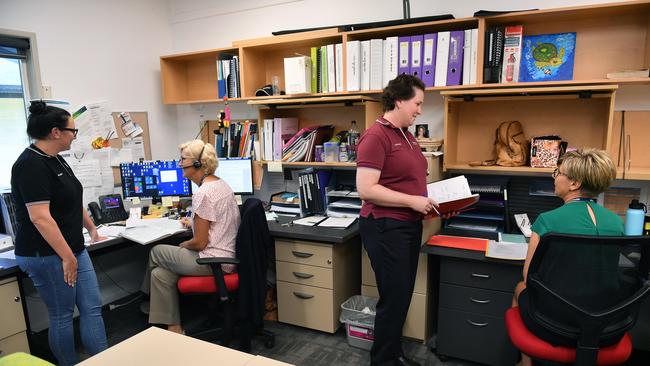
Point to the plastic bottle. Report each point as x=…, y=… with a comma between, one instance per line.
x=343, y=152
x=353, y=140
x=634, y=218
x=510, y=67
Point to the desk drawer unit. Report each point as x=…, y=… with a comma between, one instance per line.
x=313, y=280
x=474, y=296
x=12, y=319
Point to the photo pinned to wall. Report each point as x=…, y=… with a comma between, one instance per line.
x=422, y=131
x=548, y=57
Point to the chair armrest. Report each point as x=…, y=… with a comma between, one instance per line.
x=217, y=260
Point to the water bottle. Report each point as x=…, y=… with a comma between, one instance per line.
x=634, y=218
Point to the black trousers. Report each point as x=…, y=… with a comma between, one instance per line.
x=393, y=247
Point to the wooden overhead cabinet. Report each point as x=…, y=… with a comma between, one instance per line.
x=581, y=115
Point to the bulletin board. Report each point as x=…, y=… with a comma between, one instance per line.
x=140, y=118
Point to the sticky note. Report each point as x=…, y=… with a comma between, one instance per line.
x=275, y=166
x=176, y=198
x=135, y=200
x=167, y=201
x=135, y=212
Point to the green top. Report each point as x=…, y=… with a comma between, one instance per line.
x=573, y=218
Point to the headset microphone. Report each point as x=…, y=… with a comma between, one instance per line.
x=197, y=164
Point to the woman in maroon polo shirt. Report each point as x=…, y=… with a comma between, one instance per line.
x=391, y=180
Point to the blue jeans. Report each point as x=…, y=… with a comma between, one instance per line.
x=60, y=299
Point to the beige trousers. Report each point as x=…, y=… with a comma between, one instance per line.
x=166, y=264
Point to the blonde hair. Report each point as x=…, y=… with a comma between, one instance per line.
x=593, y=168
x=209, y=162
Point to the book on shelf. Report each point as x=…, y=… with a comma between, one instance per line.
x=452, y=194
x=623, y=74
x=429, y=58
x=512, y=53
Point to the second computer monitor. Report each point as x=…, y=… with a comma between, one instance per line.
x=154, y=179
x=238, y=173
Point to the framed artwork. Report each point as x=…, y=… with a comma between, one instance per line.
x=421, y=131
x=547, y=57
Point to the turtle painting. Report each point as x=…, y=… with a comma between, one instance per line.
x=547, y=57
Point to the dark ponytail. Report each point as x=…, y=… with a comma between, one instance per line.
x=43, y=118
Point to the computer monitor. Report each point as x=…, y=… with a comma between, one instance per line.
x=238, y=173
x=154, y=179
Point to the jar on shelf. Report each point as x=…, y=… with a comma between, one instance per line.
x=343, y=152
x=318, y=153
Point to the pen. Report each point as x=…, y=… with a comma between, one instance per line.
x=435, y=209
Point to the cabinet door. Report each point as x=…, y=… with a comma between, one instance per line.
x=12, y=319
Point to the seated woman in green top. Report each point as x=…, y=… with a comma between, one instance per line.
x=580, y=176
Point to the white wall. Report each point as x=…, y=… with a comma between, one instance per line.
x=102, y=50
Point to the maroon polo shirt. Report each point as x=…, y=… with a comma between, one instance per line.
x=403, y=167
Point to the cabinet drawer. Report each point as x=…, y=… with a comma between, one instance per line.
x=476, y=300
x=312, y=254
x=492, y=276
x=474, y=337
x=305, y=275
x=308, y=306
x=12, y=319
x=15, y=343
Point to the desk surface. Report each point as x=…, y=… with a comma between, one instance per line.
x=314, y=233
x=9, y=267
x=465, y=254
x=156, y=346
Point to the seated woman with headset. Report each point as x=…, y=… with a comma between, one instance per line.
x=215, y=221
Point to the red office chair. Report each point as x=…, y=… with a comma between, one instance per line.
x=582, y=296
x=241, y=294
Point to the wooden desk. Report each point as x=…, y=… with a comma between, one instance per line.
x=156, y=346
x=473, y=294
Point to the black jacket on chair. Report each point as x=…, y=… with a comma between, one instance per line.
x=253, y=244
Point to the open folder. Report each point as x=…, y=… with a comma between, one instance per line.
x=150, y=230
x=452, y=194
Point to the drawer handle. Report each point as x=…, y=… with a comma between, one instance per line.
x=300, y=295
x=303, y=275
x=480, y=275
x=476, y=324
x=17, y=299
x=301, y=254
x=479, y=301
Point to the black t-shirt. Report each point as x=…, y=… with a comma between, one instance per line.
x=39, y=178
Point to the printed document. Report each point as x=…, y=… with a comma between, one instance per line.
x=452, y=194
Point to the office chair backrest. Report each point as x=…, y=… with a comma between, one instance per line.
x=588, y=284
x=252, y=247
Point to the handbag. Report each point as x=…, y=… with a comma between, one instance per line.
x=510, y=144
x=545, y=151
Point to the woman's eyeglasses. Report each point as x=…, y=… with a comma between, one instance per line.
x=74, y=131
x=557, y=172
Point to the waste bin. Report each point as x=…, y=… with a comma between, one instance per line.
x=358, y=315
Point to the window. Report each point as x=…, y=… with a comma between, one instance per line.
x=14, y=97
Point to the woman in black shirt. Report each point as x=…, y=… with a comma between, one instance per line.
x=49, y=240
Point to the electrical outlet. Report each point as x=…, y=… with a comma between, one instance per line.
x=46, y=92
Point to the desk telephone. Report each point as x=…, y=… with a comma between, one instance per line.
x=109, y=209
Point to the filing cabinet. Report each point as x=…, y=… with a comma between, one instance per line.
x=313, y=280
x=474, y=296
x=13, y=336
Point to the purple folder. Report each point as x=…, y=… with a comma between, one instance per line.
x=404, y=55
x=455, y=65
x=416, y=59
x=429, y=59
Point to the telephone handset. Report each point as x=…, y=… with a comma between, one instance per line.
x=109, y=209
